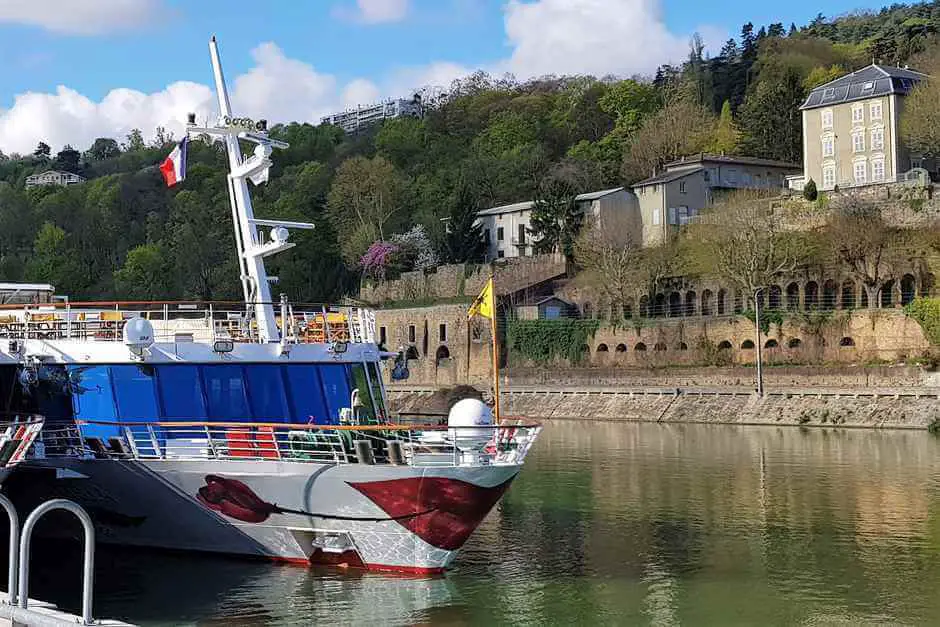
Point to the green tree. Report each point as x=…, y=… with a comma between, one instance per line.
x=365, y=204
x=135, y=141
x=556, y=217
x=771, y=122
x=43, y=151
x=103, y=148
x=52, y=260
x=145, y=275
x=464, y=234
x=727, y=135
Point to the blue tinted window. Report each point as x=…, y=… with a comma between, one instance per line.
x=336, y=388
x=92, y=399
x=181, y=393
x=306, y=395
x=225, y=391
x=134, y=393
x=266, y=393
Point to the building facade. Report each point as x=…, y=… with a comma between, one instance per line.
x=687, y=186
x=506, y=229
x=362, y=116
x=851, y=129
x=53, y=177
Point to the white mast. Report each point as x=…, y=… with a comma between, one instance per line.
x=252, y=249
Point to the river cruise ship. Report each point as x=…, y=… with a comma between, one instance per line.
x=256, y=428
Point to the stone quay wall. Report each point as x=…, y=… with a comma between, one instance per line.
x=886, y=408
x=459, y=280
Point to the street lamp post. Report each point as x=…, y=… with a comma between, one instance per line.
x=760, y=365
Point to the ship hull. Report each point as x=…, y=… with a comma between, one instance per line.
x=395, y=518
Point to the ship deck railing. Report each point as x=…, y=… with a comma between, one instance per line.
x=409, y=445
x=184, y=321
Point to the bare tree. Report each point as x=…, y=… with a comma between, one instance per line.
x=610, y=262
x=742, y=239
x=871, y=250
x=683, y=126
x=920, y=124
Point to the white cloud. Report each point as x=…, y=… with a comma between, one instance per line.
x=598, y=37
x=375, y=11
x=278, y=88
x=80, y=17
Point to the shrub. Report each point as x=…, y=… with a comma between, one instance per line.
x=543, y=341
x=926, y=311
x=809, y=190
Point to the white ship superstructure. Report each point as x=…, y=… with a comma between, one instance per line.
x=254, y=428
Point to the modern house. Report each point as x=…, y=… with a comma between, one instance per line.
x=851, y=129
x=53, y=177
x=506, y=228
x=673, y=197
x=352, y=120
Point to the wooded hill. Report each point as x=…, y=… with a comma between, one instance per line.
x=488, y=140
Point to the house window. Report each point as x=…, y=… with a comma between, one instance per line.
x=858, y=142
x=382, y=336
x=874, y=111
x=442, y=332
x=829, y=177
x=828, y=146
x=499, y=234
x=829, y=92
x=707, y=175
x=657, y=217
x=877, y=169
x=732, y=176
x=411, y=333
x=917, y=162
x=870, y=85
x=858, y=114
x=500, y=254
x=877, y=139
x=681, y=187
x=673, y=219
x=683, y=215
x=521, y=230
x=860, y=170
x=826, y=117
x=486, y=236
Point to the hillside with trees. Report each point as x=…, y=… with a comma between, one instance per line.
x=403, y=195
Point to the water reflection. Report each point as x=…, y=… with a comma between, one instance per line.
x=621, y=524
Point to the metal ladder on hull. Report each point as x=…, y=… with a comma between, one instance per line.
x=15, y=609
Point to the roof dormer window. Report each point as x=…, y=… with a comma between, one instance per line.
x=828, y=92
x=870, y=85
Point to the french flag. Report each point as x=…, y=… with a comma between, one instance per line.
x=174, y=167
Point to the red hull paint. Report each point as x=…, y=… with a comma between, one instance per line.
x=351, y=559
x=454, y=508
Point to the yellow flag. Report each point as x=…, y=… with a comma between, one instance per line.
x=484, y=305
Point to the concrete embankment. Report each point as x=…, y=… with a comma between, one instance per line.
x=900, y=407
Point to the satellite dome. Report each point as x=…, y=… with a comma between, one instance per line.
x=138, y=335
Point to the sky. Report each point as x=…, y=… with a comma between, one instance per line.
x=74, y=70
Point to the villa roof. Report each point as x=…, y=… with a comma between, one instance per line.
x=528, y=204
x=868, y=82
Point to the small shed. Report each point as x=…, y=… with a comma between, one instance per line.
x=550, y=308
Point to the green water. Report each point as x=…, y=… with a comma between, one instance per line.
x=623, y=524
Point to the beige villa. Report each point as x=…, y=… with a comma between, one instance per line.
x=687, y=186
x=851, y=129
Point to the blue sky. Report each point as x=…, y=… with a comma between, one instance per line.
x=127, y=63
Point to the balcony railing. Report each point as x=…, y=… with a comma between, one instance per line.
x=412, y=445
x=182, y=321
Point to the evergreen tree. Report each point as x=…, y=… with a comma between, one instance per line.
x=464, y=234
x=771, y=120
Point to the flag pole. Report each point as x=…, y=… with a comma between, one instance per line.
x=495, y=349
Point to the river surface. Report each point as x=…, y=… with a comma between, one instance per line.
x=621, y=524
